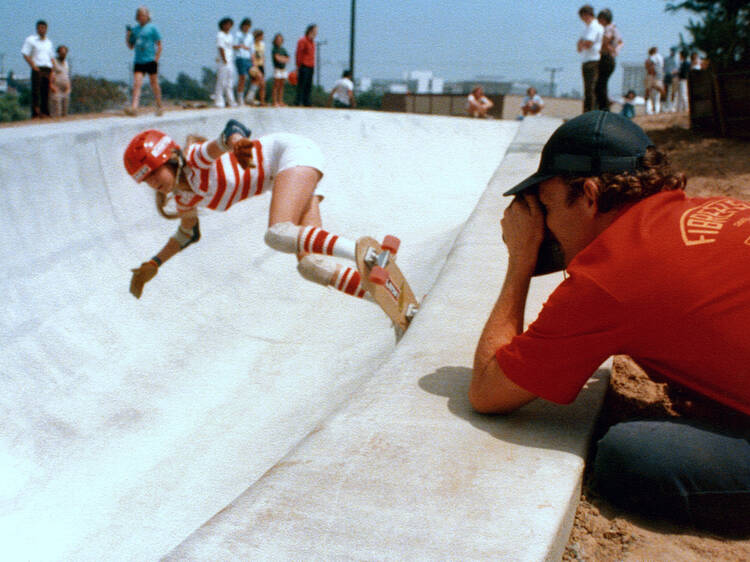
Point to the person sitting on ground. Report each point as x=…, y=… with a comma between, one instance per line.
x=342, y=95
x=628, y=105
x=216, y=174
x=477, y=104
x=532, y=103
x=651, y=273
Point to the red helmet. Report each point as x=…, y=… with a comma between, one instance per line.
x=146, y=152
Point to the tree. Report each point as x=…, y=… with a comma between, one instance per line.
x=722, y=33
x=185, y=88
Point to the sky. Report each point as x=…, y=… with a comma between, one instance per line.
x=459, y=40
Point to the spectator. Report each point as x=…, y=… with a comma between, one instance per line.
x=477, y=104
x=611, y=45
x=695, y=61
x=38, y=52
x=342, y=95
x=532, y=103
x=589, y=46
x=145, y=40
x=683, y=72
x=305, y=60
x=225, y=65
x=60, y=84
x=628, y=105
x=259, y=65
x=654, y=81
x=280, y=58
x=243, y=46
x=670, y=80
x=651, y=273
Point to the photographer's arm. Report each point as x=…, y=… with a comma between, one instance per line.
x=490, y=390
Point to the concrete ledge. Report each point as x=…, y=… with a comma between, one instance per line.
x=405, y=469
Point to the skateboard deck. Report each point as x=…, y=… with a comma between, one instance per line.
x=383, y=279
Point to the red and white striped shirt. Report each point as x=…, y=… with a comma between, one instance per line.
x=219, y=184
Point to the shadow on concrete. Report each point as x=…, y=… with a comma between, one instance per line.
x=540, y=424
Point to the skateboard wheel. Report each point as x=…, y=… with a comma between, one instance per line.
x=378, y=275
x=391, y=243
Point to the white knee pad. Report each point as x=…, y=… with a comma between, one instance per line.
x=282, y=237
x=317, y=269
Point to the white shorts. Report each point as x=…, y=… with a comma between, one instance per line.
x=289, y=150
x=653, y=82
x=280, y=74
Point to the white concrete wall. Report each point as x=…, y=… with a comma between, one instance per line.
x=405, y=470
x=127, y=424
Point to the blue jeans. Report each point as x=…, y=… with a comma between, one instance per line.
x=685, y=472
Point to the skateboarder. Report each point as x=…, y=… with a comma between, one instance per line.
x=215, y=174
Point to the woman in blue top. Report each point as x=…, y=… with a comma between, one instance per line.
x=145, y=40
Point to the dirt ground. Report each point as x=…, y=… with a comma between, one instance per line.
x=714, y=166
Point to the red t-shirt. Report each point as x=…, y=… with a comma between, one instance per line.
x=305, y=54
x=667, y=283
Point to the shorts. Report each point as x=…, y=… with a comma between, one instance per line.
x=280, y=74
x=146, y=67
x=243, y=66
x=296, y=150
x=653, y=82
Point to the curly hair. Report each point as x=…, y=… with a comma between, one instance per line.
x=623, y=188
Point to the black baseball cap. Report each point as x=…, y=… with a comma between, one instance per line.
x=588, y=145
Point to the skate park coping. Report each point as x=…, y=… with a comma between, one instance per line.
x=215, y=419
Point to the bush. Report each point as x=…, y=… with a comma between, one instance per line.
x=10, y=109
x=92, y=95
x=369, y=100
x=185, y=88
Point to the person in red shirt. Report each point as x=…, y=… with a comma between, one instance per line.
x=652, y=274
x=305, y=60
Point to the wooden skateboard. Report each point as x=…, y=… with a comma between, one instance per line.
x=383, y=279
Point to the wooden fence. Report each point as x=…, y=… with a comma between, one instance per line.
x=720, y=103
x=437, y=104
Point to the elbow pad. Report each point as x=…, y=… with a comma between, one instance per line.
x=186, y=237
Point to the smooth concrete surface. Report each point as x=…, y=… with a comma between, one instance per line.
x=405, y=470
x=126, y=424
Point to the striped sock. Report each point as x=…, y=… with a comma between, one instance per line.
x=315, y=240
x=348, y=280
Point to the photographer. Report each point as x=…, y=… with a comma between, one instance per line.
x=145, y=40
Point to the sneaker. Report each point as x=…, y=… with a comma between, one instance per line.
x=159, y=111
x=130, y=111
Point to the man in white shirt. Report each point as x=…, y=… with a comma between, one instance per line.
x=590, y=45
x=342, y=95
x=38, y=52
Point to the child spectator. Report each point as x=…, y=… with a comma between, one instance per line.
x=280, y=57
x=243, y=46
x=224, y=70
x=628, y=105
x=342, y=95
x=532, y=103
x=477, y=104
x=259, y=65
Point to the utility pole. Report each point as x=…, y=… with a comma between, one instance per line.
x=552, y=71
x=317, y=60
x=351, y=38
